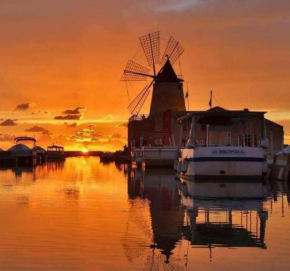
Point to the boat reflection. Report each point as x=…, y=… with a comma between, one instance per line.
x=226, y=214
x=207, y=214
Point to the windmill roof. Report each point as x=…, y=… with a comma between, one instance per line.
x=167, y=74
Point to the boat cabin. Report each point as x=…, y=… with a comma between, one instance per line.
x=221, y=127
x=55, y=148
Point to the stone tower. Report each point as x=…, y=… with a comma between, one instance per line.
x=167, y=91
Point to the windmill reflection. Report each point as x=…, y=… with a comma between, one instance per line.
x=227, y=214
x=159, y=189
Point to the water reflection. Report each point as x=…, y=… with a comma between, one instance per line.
x=159, y=188
x=81, y=214
x=208, y=214
x=229, y=214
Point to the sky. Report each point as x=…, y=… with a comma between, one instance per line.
x=61, y=63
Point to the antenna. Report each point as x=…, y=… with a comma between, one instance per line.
x=133, y=71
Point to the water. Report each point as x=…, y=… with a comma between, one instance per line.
x=84, y=215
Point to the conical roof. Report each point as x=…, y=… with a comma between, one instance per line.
x=19, y=147
x=167, y=74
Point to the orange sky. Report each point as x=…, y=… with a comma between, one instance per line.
x=60, y=55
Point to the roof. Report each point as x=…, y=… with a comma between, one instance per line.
x=19, y=147
x=221, y=112
x=167, y=74
x=274, y=123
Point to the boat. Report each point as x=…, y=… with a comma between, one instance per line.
x=55, y=152
x=162, y=156
x=222, y=145
x=40, y=153
x=22, y=153
x=156, y=150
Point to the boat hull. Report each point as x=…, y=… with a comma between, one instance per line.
x=159, y=157
x=223, y=162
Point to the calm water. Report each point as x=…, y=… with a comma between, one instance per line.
x=84, y=215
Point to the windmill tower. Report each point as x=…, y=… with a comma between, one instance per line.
x=167, y=87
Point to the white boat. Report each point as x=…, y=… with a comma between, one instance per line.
x=224, y=158
x=156, y=150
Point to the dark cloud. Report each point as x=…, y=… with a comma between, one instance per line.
x=8, y=122
x=6, y=138
x=76, y=111
x=68, y=117
x=71, y=114
x=39, y=112
x=37, y=129
x=24, y=106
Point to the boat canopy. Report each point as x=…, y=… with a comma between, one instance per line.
x=24, y=138
x=55, y=148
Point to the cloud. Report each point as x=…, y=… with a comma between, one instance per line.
x=108, y=117
x=8, y=122
x=39, y=112
x=177, y=5
x=71, y=114
x=114, y=136
x=6, y=138
x=72, y=125
x=68, y=117
x=37, y=129
x=25, y=106
x=75, y=111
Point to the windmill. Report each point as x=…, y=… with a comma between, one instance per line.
x=134, y=71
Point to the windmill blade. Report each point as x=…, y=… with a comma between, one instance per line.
x=172, y=52
x=135, y=72
x=136, y=105
x=151, y=47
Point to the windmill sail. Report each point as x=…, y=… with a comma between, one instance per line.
x=135, y=72
x=136, y=105
x=151, y=47
x=172, y=52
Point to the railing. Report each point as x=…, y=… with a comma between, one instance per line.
x=138, y=117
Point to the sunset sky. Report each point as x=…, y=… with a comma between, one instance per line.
x=61, y=63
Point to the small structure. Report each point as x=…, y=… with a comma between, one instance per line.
x=23, y=154
x=55, y=152
x=40, y=153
